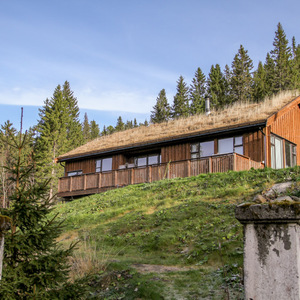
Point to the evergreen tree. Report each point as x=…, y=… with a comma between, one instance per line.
x=259, y=90
x=197, y=93
x=241, y=80
x=128, y=125
x=281, y=55
x=110, y=129
x=161, y=110
x=58, y=130
x=295, y=65
x=227, y=86
x=216, y=87
x=135, y=124
x=120, y=124
x=104, y=131
x=180, y=106
x=86, y=130
x=269, y=68
x=95, y=131
x=35, y=267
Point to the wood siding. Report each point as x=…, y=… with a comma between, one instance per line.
x=286, y=124
x=253, y=143
x=97, y=182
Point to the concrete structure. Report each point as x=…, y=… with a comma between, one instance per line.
x=271, y=250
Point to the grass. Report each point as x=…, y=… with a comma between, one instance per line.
x=187, y=223
x=235, y=114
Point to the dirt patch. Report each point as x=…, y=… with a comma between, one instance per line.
x=144, y=268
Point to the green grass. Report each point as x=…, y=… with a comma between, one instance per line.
x=184, y=222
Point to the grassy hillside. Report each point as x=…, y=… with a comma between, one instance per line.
x=172, y=239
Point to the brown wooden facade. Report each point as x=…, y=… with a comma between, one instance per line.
x=175, y=158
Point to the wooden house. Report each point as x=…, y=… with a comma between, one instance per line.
x=243, y=136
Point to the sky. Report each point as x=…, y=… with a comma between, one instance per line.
x=117, y=55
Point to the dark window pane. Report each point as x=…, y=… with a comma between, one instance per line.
x=225, y=145
x=207, y=149
x=288, y=154
x=195, y=147
x=106, y=164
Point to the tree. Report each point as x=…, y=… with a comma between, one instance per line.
x=128, y=125
x=227, y=86
x=295, y=64
x=120, y=124
x=281, y=55
x=135, y=124
x=86, y=130
x=161, y=110
x=59, y=131
x=95, y=131
x=216, y=87
x=197, y=93
x=241, y=80
x=259, y=90
x=35, y=267
x=269, y=68
x=180, y=106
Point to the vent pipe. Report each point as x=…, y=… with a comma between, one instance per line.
x=207, y=106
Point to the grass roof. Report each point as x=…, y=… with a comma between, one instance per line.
x=234, y=115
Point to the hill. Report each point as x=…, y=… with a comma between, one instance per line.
x=172, y=239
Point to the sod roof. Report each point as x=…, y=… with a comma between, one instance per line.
x=236, y=115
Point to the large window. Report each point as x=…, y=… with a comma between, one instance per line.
x=104, y=164
x=290, y=154
x=276, y=152
x=230, y=145
x=147, y=160
x=202, y=149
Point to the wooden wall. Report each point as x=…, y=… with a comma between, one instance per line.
x=175, y=152
x=286, y=124
x=254, y=145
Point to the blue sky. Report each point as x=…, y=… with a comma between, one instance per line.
x=117, y=55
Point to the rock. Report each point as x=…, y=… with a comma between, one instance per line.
x=283, y=198
x=278, y=188
x=295, y=198
x=259, y=199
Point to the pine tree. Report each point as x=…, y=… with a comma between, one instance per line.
x=86, y=130
x=180, y=106
x=104, y=131
x=216, y=87
x=161, y=110
x=95, y=131
x=241, y=80
x=259, y=90
x=135, y=124
x=295, y=65
x=197, y=93
x=110, y=129
x=227, y=86
x=35, y=267
x=281, y=55
x=128, y=125
x=120, y=124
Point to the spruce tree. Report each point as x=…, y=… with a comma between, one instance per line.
x=241, y=80
x=161, y=110
x=259, y=90
x=269, y=68
x=95, y=131
x=128, y=125
x=120, y=124
x=281, y=55
x=216, y=87
x=86, y=130
x=35, y=267
x=197, y=93
x=227, y=86
x=180, y=106
x=59, y=131
x=295, y=65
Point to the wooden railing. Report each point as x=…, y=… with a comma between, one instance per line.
x=97, y=182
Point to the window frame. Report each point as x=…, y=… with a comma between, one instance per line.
x=76, y=173
x=99, y=169
x=146, y=157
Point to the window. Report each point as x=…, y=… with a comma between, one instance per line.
x=104, y=164
x=75, y=173
x=202, y=149
x=230, y=145
x=147, y=160
x=290, y=155
x=276, y=152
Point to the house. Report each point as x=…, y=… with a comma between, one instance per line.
x=243, y=136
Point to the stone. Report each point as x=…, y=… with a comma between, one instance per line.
x=278, y=188
x=259, y=199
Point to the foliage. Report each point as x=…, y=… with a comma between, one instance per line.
x=180, y=106
x=197, y=93
x=184, y=222
x=35, y=267
x=161, y=110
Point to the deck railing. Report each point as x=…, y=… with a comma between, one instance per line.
x=97, y=182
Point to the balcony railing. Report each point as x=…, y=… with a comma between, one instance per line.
x=98, y=182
